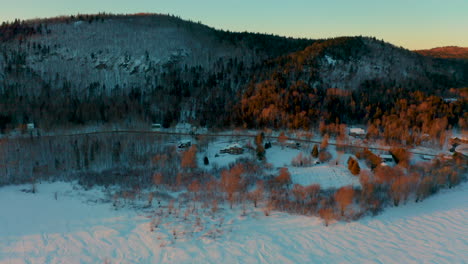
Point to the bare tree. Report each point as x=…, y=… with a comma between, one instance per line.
x=231, y=180
x=326, y=214
x=256, y=195
x=189, y=158
x=344, y=197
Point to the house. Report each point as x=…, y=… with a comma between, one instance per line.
x=184, y=144
x=459, y=140
x=445, y=156
x=234, y=149
x=386, y=158
x=357, y=132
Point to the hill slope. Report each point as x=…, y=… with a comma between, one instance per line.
x=158, y=68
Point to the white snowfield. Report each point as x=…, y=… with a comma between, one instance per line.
x=324, y=175
x=36, y=228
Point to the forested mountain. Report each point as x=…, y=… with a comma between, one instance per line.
x=453, y=52
x=159, y=68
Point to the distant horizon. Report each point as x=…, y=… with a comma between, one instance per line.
x=414, y=25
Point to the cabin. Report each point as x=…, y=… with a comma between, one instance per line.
x=357, y=132
x=30, y=126
x=156, y=126
x=184, y=144
x=234, y=149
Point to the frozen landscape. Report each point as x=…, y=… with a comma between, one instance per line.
x=150, y=138
x=79, y=228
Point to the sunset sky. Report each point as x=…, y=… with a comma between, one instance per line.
x=413, y=24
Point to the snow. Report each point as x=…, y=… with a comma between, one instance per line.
x=426, y=157
x=77, y=23
x=183, y=128
x=330, y=60
x=328, y=175
x=462, y=149
x=325, y=175
x=281, y=156
x=36, y=228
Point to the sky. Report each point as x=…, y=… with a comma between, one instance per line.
x=413, y=24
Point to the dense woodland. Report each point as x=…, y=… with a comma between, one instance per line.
x=253, y=80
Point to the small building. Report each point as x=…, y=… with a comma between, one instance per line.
x=30, y=126
x=459, y=140
x=293, y=144
x=357, y=132
x=463, y=150
x=156, y=126
x=234, y=149
x=386, y=158
x=184, y=144
x=445, y=156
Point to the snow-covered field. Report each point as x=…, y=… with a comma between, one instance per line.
x=216, y=159
x=326, y=176
x=78, y=228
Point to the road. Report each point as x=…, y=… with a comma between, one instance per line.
x=216, y=135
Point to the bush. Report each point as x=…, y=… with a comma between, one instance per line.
x=301, y=160
x=372, y=160
x=401, y=156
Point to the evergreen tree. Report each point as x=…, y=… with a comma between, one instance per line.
x=315, y=151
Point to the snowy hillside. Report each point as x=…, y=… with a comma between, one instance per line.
x=78, y=228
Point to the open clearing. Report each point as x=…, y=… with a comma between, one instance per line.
x=78, y=228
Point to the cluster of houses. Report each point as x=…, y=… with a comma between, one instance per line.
x=233, y=149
